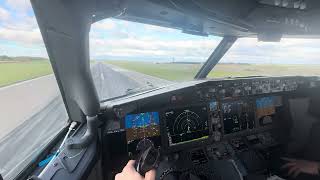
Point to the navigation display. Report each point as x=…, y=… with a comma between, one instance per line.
x=142, y=125
x=187, y=124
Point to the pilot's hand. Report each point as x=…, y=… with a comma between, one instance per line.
x=129, y=173
x=296, y=166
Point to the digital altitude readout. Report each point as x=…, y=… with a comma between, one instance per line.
x=187, y=124
x=142, y=125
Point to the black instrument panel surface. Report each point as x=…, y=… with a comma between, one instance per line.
x=206, y=111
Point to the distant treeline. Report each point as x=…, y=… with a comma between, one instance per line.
x=192, y=62
x=21, y=58
x=27, y=58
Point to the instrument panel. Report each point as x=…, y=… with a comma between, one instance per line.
x=208, y=112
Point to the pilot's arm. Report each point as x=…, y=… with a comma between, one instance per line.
x=296, y=167
x=129, y=173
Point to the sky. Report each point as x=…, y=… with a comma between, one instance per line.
x=117, y=39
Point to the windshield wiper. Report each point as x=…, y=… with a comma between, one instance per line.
x=135, y=91
x=224, y=45
x=253, y=76
x=140, y=89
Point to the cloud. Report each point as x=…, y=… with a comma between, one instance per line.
x=20, y=50
x=13, y=15
x=104, y=25
x=18, y=27
x=153, y=28
x=197, y=50
x=123, y=38
x=112, y=37
x=25, y=37
x=245, y=50
x=4, y=14
x=288, y=51
x=19, y=5
x=25, y=23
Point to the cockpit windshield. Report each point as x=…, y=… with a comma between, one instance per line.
x=290, y=57
x=141, y=57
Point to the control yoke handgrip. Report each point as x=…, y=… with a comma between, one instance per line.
x=147, y=160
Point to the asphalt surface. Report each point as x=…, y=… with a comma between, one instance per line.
x=32, y=112
x=112, y=81
x=22, y=100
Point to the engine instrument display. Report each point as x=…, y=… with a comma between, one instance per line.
x=237, y=116
x=187, y=124
x=142, y=125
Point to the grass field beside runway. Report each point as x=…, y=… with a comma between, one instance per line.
x=180, y=72
x=163, y=71
x=16, y=71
